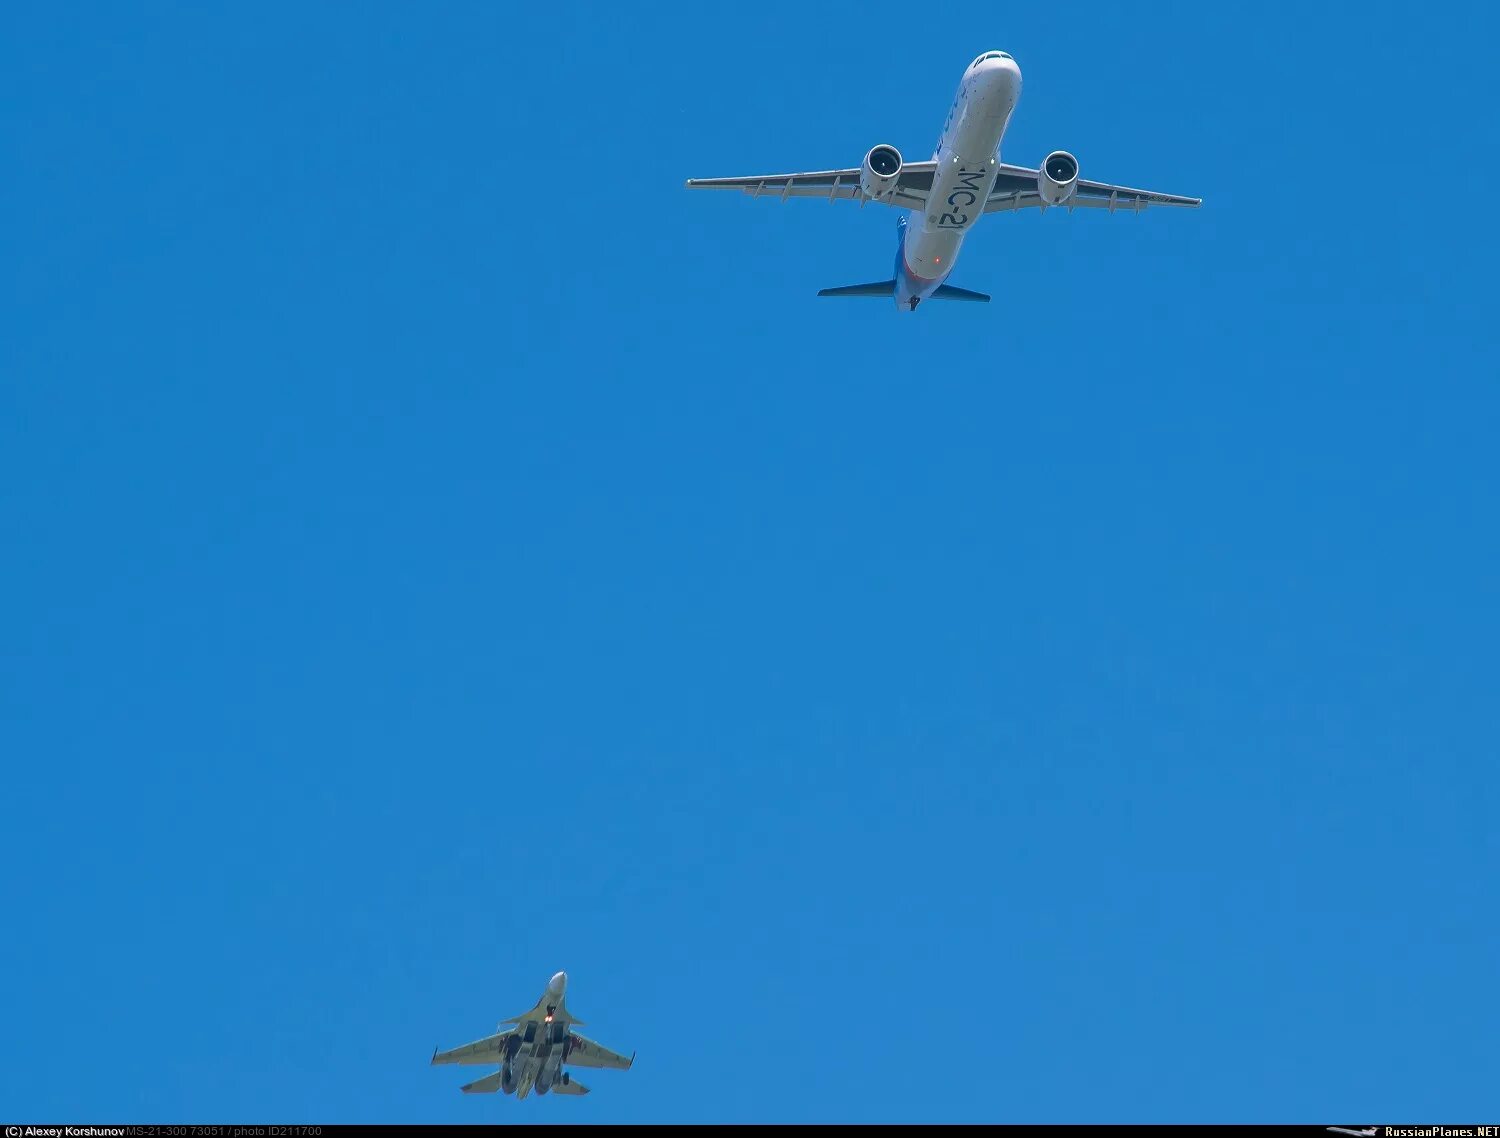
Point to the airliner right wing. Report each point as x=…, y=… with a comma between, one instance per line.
x=912, y=185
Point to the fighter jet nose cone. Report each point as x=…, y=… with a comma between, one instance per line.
x=559, y=982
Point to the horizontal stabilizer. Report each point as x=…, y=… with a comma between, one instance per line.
x=485, y=1086
x=571, y=1087
x=948, y=292
x=875, y=288
x=888, y=288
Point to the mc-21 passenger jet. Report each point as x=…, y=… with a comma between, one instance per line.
x=945, y=196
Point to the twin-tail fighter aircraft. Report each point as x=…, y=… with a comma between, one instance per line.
x=532, y=1055
x=945, y=196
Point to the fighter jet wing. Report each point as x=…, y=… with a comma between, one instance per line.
x=586, y=1053
x=487, y=1050
x=571, y=1087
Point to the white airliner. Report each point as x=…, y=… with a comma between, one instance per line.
x=964, y=180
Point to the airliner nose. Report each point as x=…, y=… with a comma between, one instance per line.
x=1006, y=69
x=997, y=65
x=558, y=983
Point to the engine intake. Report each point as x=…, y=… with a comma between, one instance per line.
x=1058, y=177
x=881, y=172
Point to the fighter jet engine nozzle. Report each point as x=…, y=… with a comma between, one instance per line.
x=558, y=984
x=1058, y=177
x=881, y=172
x=507, y=1080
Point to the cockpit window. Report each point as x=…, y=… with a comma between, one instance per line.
x=993, y=55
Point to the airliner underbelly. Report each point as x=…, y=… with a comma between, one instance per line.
x=967, y=160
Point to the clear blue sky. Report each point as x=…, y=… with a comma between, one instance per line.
x=439, y=549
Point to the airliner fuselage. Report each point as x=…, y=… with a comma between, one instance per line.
x=968, y=158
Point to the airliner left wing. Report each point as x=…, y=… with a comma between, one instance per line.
x=1016, y=188
x=912, y=185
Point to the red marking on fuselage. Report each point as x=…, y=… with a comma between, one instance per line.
x=913, y=274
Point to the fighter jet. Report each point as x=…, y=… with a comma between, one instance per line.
x=532, y=1054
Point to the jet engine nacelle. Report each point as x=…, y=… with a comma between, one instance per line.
x=881, y=172
x=508, y=1081
x=1057, y=178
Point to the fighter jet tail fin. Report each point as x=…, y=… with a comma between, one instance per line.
x=485, y=1086
x=569, y=1086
